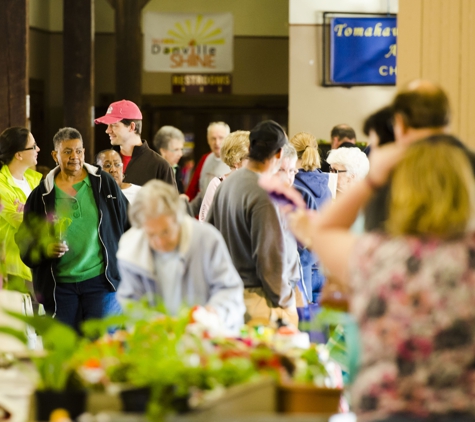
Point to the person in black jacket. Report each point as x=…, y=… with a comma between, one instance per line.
x=70, y=233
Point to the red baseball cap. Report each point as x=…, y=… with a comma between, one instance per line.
x=120, y=110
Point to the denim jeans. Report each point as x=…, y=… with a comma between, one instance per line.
x=318, y=280
x=88, y=299
x=312, y=276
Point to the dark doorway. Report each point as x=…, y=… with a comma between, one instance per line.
x=37, y=122
x=192, y=115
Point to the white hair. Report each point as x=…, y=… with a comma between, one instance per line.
x=289, y=151
x=154, y=199
x=355, y=161
x=223, y=124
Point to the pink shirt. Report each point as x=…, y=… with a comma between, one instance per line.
x=208, y=198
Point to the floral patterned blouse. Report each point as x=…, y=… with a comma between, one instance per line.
x=414, y=301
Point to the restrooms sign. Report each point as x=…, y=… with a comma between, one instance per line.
x=188, y=43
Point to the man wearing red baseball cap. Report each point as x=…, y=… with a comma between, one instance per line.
x=140, y=163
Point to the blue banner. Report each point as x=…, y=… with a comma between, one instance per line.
x=363, y=51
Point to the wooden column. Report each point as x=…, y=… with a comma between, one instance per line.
x=436, y=41
x=13, y=63
x=128, y=49
x=78, y=91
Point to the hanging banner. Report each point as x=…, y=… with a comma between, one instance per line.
x=363, y=51
x=188, y=43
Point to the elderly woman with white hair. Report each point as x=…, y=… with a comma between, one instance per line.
x=351, y=165
x=171, y=257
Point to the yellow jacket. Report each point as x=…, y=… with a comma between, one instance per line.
x=10, y=220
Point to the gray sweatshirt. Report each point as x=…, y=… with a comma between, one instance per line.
x=252, y=229
x=205, y=272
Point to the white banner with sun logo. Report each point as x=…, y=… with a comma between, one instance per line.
x=188, y=43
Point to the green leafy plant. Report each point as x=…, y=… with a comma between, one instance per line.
x=60, y=343
x=35, y=234
x=159, y=353
x=314, y=371
x=61, y=227
x=176, y=362
x=343, y=338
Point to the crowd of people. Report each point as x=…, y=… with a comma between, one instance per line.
x=262, y=235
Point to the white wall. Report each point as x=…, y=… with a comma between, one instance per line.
x=310, y=11
x=314, y=108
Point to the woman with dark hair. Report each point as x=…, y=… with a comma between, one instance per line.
x=18, y=152
x=379, y=128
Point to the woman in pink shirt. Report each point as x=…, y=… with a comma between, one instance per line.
x=234, y=152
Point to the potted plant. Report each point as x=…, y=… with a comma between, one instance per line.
x=59, y=385
x=311, y=387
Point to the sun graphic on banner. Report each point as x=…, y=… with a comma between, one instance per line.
x=196, y=33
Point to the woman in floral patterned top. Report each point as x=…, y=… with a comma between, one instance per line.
x=412, y=288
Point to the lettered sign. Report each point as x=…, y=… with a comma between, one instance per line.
x=188, y=43
x=363, y=50
x=201, y=84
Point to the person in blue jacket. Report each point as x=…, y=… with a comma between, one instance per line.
x=313, y=184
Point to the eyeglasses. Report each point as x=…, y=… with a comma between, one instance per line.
x=108, y=166
x=34, y=148
x=332, y=170
x=290, y=171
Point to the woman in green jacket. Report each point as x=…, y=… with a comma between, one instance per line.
x=18, y=152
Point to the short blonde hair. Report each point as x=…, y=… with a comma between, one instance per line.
x=307, y=150
x=154, y=199
x=235, y=148
x=432, y=191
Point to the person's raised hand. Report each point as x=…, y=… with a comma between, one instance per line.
x=301, y=223
x=280, y=192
